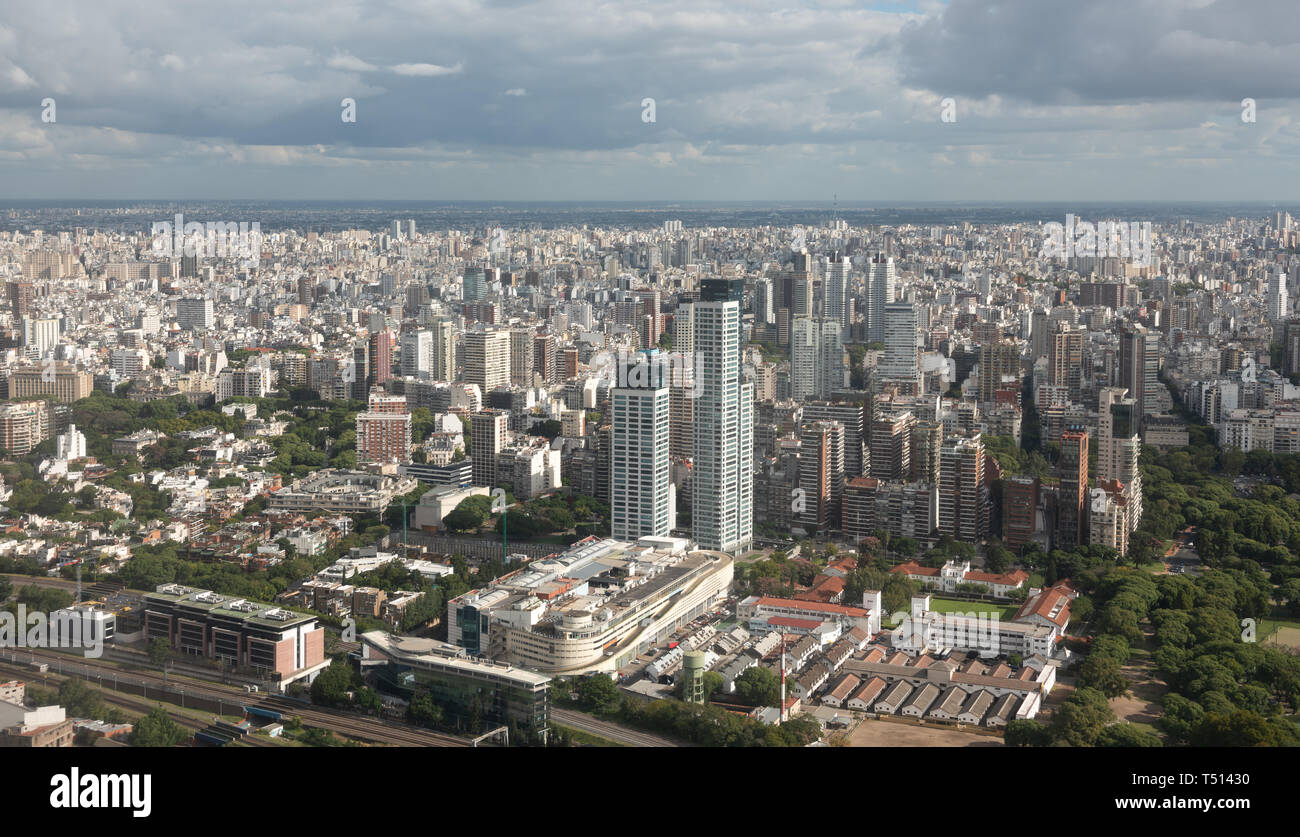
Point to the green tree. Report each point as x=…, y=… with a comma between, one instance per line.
x=159, y=651
x=1082, y=717
x=759, y=686
x=1028, y=733
x=1126, y=735
x=597, y=692
x=331, y=686
x=157, y=729
x=1103, y=673
x=424, y=711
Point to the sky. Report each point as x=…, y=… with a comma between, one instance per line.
x=1048, y=100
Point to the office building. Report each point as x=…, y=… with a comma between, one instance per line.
x=256, y=637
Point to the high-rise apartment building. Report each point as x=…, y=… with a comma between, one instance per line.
x=21, y=295
x=1279, y=307
x=1072, y=507
x=722, y=492
x=999, y=368
x=881, y=278
x=41, y=334
x=487, y=439
x=891, y=445
x=851, y=415
x=1119, y=446
x=63, y=381
x=195, y=313
x=1139, y=369
x=487, y=359
x=821, y=475
x=444, y=350
x=384, y=431
x=644, y=503
x=901, y=364
x=381, y=358
x=681, y=385
x=963, y=489
x=1065, y=359
x=521, y=357
x=417, y=354
x=545, y=358
x=816, y=358
x=1019, y=510
x=838, y=304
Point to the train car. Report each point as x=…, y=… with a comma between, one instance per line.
x=212, y=738
x=262, y=712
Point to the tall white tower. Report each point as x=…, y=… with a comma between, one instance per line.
x=880, y=292
x=722, y=492
x=1278, y=304
x=837, y=290
x=644, y=503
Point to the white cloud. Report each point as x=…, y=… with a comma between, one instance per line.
x=346, y=61
x=425, y=69
x=516, y=91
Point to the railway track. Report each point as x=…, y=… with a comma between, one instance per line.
x=361, y=728
x=605, y=729
x=353, y=726
x=120, y=700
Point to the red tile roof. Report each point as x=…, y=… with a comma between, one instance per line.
x=820, y=607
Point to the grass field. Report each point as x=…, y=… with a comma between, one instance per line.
x=1005, y=612
x=1280, y=632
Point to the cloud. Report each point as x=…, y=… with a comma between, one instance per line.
x=765, y=99
x=425, y=69
x=345, y=61
x=1105, y=51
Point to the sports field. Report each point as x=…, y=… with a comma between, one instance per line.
x=1279, y=633
x=1005, y=612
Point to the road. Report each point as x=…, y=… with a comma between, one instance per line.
x=606, y=729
